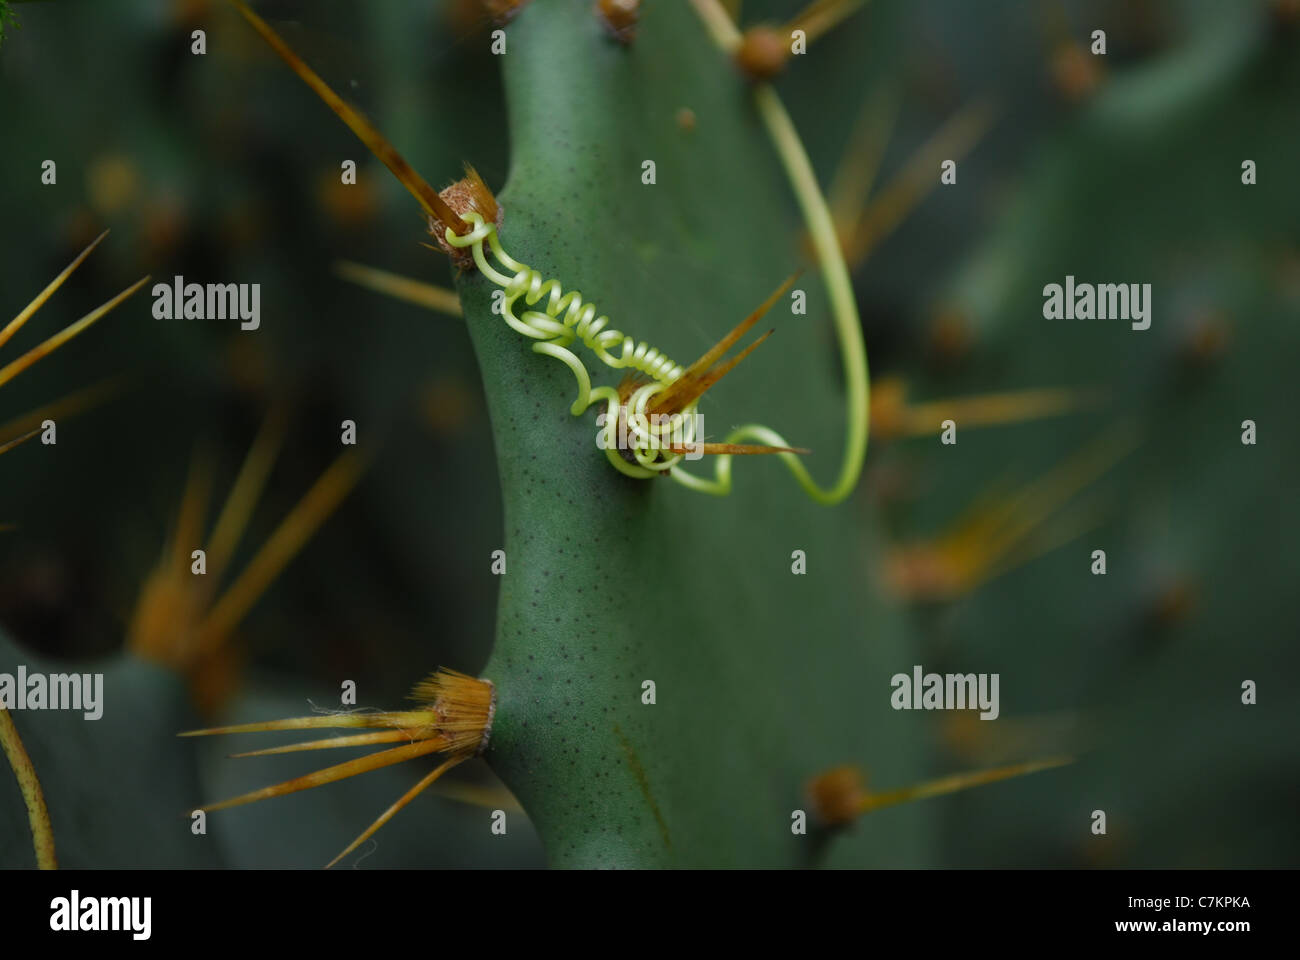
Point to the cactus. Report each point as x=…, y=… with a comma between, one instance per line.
x=586, y=574
x=668, y=689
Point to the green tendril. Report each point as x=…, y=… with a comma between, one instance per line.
x=566, y=319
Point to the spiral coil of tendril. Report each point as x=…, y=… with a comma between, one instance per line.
x=646, y=437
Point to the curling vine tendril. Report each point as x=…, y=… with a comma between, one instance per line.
x=554, y=334
x=567, y=318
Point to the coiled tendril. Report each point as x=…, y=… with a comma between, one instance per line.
x=567, y=318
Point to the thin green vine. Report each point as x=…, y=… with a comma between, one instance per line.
x=566, y=319
x=835, y=272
